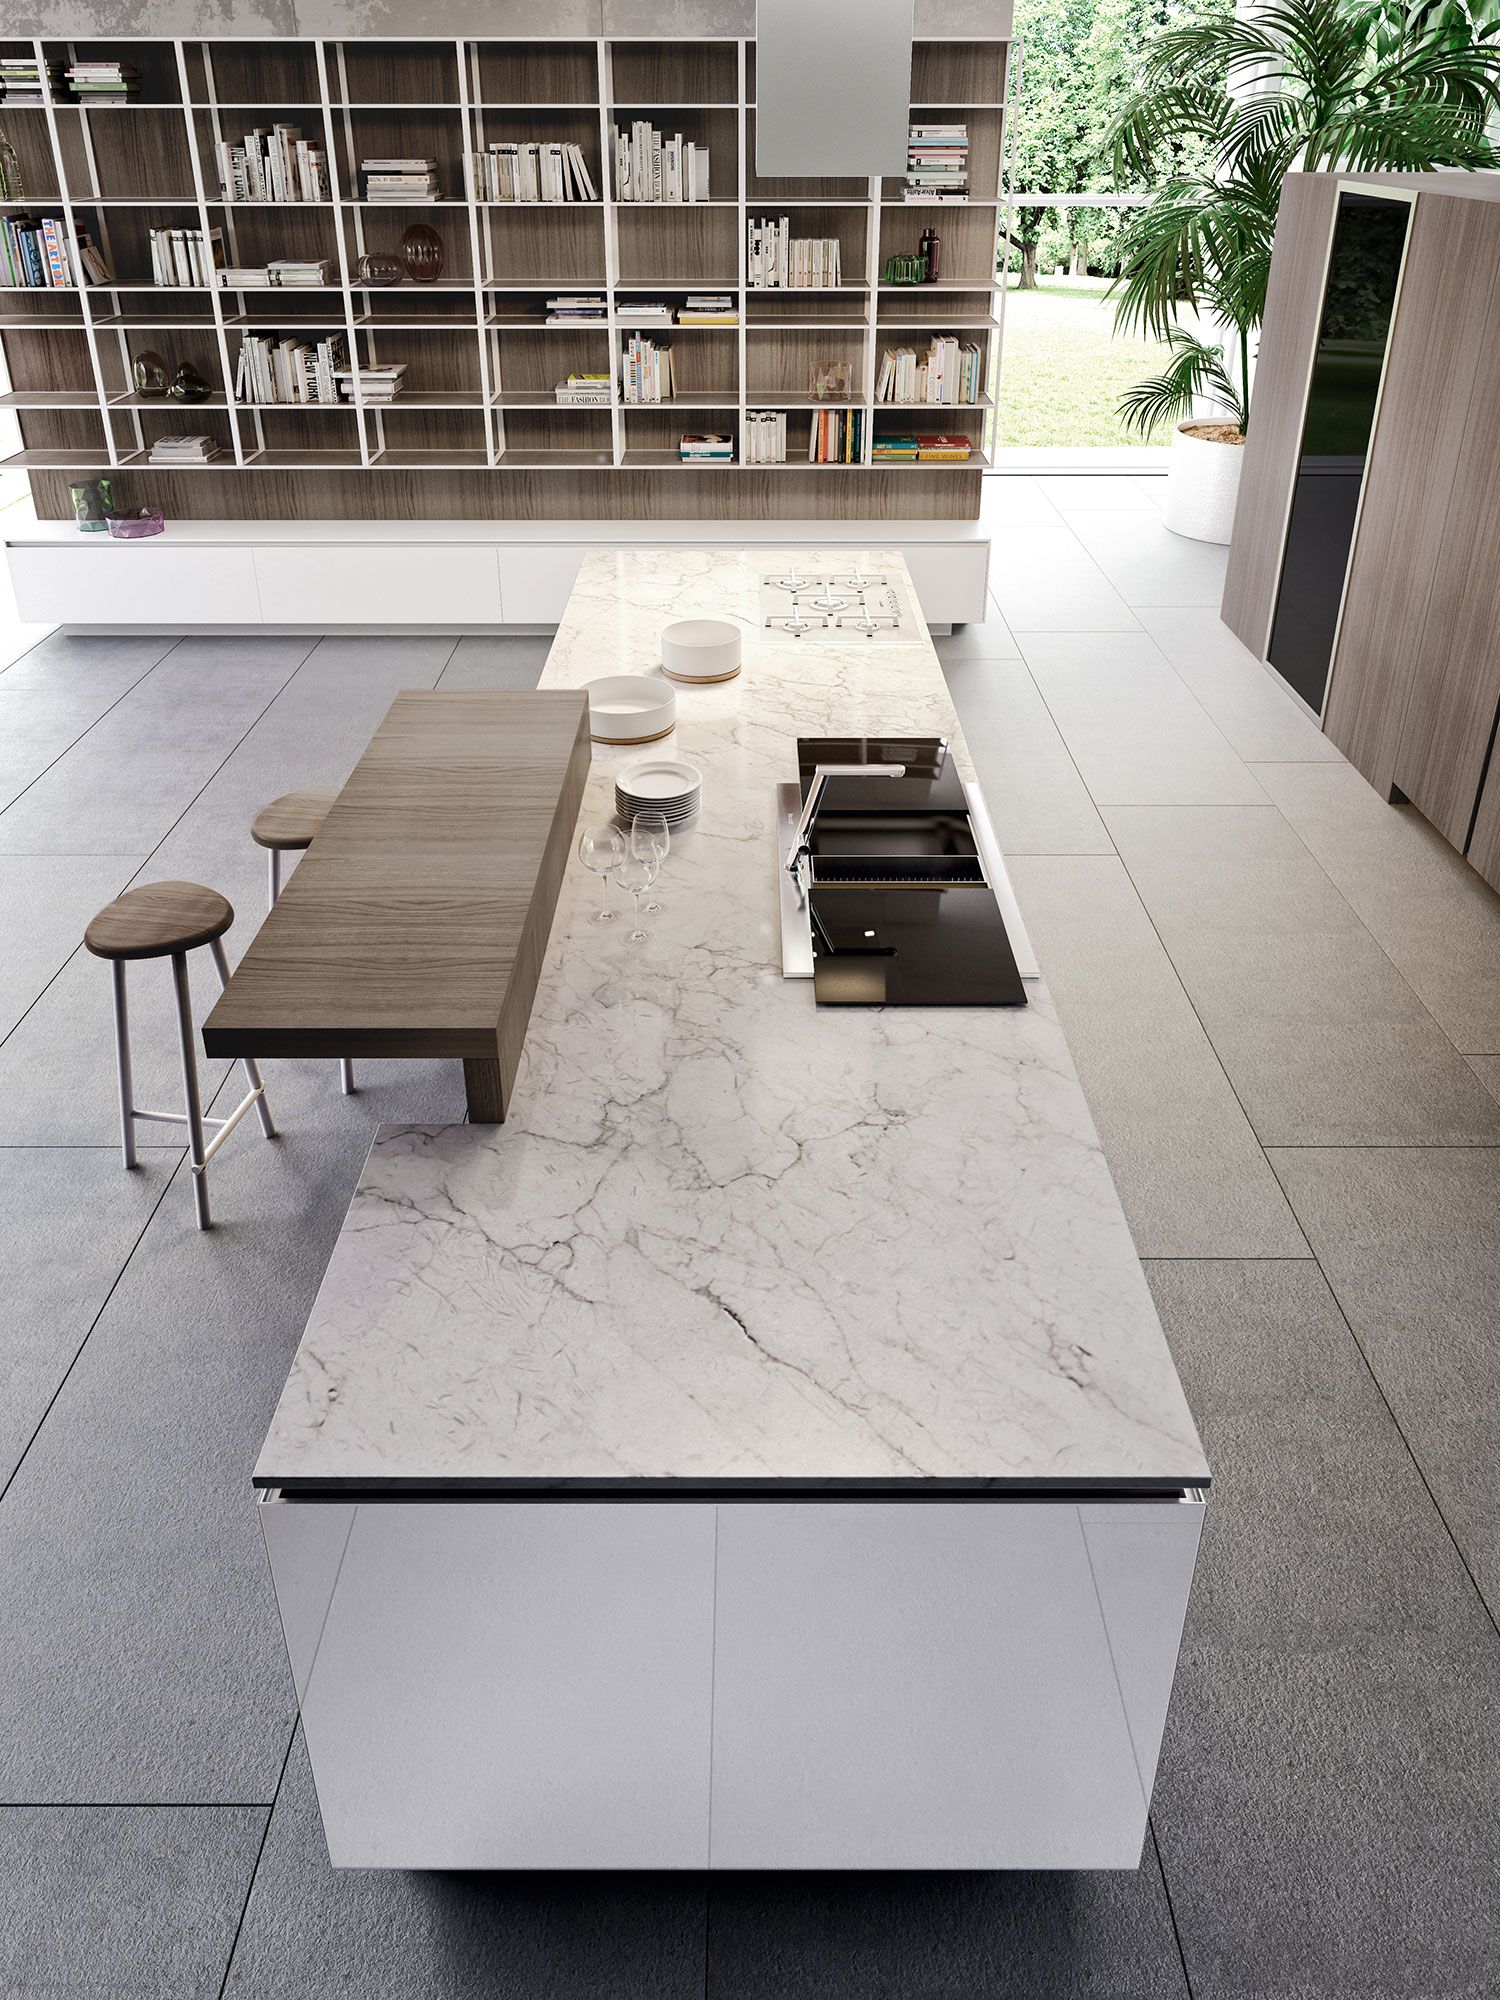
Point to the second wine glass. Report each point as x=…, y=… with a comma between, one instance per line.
x=635, y=875
x=650, y=834
x=601, y=850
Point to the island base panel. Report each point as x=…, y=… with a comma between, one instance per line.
x=502, y=1684
x=484, y=1091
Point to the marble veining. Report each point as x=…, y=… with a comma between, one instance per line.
x=724, y=1235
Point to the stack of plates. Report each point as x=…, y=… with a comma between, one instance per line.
x=659, y=784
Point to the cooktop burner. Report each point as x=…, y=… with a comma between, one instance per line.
x=839, y=607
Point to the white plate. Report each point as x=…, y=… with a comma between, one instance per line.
x=630, y=708
x=651, y=779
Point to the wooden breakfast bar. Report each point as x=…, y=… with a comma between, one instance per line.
x=417, y=923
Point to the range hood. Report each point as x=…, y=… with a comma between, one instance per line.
x=832, y=87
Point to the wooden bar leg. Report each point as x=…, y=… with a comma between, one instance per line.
x=483, y=1090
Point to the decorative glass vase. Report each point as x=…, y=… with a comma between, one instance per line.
x=188, y=386
x=88, y=508
x=830, y=382
x=12, y=183
x=152, y=372
x=422, y=252
x=380, y=267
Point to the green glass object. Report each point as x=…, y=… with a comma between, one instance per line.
x=12, y=183
x=152, y=372
x=188, y=386
x=904, y=270
x=88, y=508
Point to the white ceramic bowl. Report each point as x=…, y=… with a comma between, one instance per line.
x=701, y=649
x=630, y=708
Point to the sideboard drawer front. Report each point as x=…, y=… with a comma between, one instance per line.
x=135, y=583
x=323, y=584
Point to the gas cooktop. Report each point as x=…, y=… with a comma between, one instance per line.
x=839, y=607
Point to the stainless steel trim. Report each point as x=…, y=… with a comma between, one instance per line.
x=796, y=922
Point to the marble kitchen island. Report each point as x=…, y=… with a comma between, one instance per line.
x=761, y=1451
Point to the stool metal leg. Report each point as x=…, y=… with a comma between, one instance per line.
x=190, y=1086
x=273, y=864
x=252, y=1067
x=122, y=1063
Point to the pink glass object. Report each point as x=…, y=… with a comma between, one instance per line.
x=135, y=527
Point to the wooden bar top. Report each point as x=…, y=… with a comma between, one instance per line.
x=416, y=923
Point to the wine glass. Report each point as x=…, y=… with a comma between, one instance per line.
x=650, y=834
x=601, y=850
x=635, y=875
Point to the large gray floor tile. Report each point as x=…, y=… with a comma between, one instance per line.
x=1324, y=1041
x=385, y=1935
x=990, y=640
x=1324, y=1804
x=120, y=1903
x=502, y=663
x=46, y=901
x=1042, y=581
x=1037, y=801
x=1436, y=919
x=119, y=790
x=1192, y=1179
x=103, y=665
x=1135, y=732
x=68, y=1221
x=1014, y=500
x=1259, y=721
x=1147, y=563
x=944, y=1937
x=1097, y=493
x=1409, y=1241
x=39, y=723
x=1487, y=1069
x=141, y=1658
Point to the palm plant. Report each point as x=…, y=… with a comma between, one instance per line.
x=1224, y=107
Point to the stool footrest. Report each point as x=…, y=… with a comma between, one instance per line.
x=227, y=1125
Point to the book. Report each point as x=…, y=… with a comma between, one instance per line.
x=649, y=168
x=777, y=260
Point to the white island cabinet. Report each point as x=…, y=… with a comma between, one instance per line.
x=762, y=1450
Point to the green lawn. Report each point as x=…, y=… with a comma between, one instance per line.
x=1062, y=368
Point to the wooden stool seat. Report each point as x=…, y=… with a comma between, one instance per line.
x=290, y=822
x=158, y=919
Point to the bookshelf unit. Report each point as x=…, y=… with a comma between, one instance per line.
x=478, y=393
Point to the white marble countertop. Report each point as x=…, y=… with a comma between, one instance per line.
x=726, y=1236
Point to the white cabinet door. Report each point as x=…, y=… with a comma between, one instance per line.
x=951, y=581
x=409, y=584
x=135, y=583
x=534, y=583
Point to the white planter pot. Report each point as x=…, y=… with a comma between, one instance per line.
x=1203, y=482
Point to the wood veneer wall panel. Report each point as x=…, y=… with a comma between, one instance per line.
x=1484, y=848
x=1455, y=682
x=1293, y=308
x=695, y=495
x=1426, y=407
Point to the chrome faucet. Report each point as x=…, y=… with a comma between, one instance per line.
x=801, y=847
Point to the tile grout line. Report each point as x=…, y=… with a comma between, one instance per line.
x=1166, y=1889
x=265, y=1834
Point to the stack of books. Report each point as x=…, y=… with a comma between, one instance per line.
x=764, y=437
x=274, y=165
x=183, y=451
x=378, y=383
x=400, y=181
x=935, y=448
x=185, y=256
x=937, y=163
x=104, y=82
x=698, y=448
x=646, y=312
x=646, y=371
x=837, y=437
x=34, y=254
x=708, y=309
x=578, y=309
x=650, y=168
x=289, y=371
x=23, y=82
x=949, y=372
x=532, y=171
x=780, y=261
x=288, y=271
x=589, y=390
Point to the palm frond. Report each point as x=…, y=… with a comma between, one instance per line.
x=1195, y=371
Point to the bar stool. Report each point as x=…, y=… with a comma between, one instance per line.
x=287, y=826
x=168, y=920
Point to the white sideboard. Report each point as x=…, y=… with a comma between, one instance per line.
x=439, y=575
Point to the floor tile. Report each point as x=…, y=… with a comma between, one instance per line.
x=103, y=665
x=68, y=1221
x=1324, y=1041
x=1147, y=564
x=1434, y=917
x=1409, y=1242
x=392, y=1935
x=944, y=1937
x=496, y=662
x=1259, y=721
x=120, y=789
x=1324, y=1805
x=1014, y=501
x=122, y=1903
x=1042, y=581
x=1191, y=1177
x=1154, y=486
x=1101, y=493
x=989, y=640
x=1487, y=1069
x=1037, y=802
x=141, y=1658
x=38, y=723
x=1135, y=732
x=46, y=901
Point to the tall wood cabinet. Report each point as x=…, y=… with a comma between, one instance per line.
x=1406, y=675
